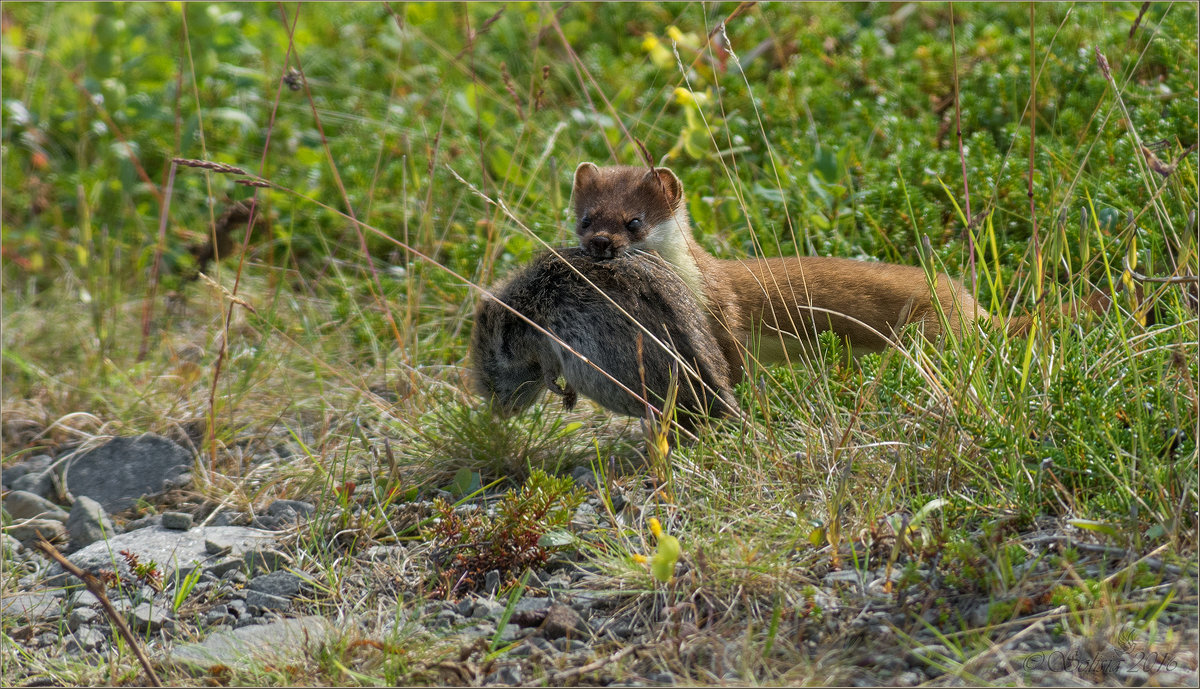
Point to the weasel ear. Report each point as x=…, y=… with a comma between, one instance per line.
x=586, y=174
x=670, y=184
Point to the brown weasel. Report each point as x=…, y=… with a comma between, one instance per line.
x=513, y=362
x=771, y=306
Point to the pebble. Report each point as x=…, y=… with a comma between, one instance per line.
x=570, y=645
x=80, y=617
x=88, y=523
x=176, y=521
x=491, y=582
x=562, y=621
x=465, y=607
x=150, y=617
x=36, y=482
x=21, y=504
x=281, y=583
x=84, y=639
x=29, y=531
x=143, y=522
x=33, y=465
x=259, y=601
x=291, y=510
x=487, y=608
x=510, y=675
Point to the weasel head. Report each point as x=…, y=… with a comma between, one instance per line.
x=620, y=208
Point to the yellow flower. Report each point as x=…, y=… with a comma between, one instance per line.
x=640, y=559
x=684, y=96
x=650, y=42
x=675, y=34
x=655, y=527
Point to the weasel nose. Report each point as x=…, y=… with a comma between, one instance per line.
x=600, y=246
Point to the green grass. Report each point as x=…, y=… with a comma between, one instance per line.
x=828, y=130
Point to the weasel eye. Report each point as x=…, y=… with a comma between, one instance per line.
x=634, y=224
x=585, y=222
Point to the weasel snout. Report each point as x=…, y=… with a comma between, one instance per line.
x=601, y=246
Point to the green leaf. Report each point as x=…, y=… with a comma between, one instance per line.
x=465, y=482
x=825, y=162
x=931, y=506
x=556, y=539
x=1098, y=527
x=816, y=537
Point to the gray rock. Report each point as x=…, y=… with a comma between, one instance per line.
x=261, y=602
x=283, y=584
x=88, y=523
x=84, y=639
x=237, y=607
x=491, y=582
x=219, y=615
x=574, y=645
x=80, y=617
x=659, y=677
x=291, y=511
x=584, y=477
x=46, y=639
x=532, y=604
x=85, y=599
x=275, y=643
x=585, y=517
x=224, y=566
x=143, y=522
x=33, y=465
x=36, y=482
x=176, y=521
x=150, y=617
x=444, y=619
x=176, y=552
x=510, y=675
x=31, y=608
x=465, y=607
x=509, y=633
x=235, y=576
x=561, y=621
x=30, y=530
x=586, y=601
x=123, y=470
x=21, y=504
x=477, y=631
x=487, y=608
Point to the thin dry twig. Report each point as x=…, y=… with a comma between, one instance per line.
x=1173, y=280
x=557, y=679
x=962, y=155
x=96, y=587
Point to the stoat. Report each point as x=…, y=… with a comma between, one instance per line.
x=774, y=306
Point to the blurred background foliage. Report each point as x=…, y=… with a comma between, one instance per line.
x=825, y=129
